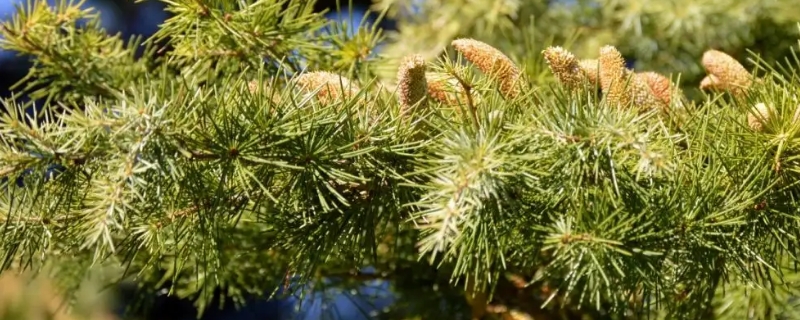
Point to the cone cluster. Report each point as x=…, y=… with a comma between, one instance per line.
x=489, y=60
x=621, y=86
x=415, y=85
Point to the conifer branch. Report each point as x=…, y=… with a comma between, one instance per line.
x=53, y=36
x=225, y=166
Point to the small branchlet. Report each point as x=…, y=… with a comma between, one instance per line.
x=491, y=62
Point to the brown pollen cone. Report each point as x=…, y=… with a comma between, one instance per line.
x=491, y=62
x=642, y=94
x=445, y=90
x=728, y=73
x=412, y=84
x=758, y=117
x=436, y=90
x=710, y=82
x=659, y=85
x=332, y=87
x=256, y=87
x=613, y=77
x=564, y=66
x=591, y=70
x=253, y=86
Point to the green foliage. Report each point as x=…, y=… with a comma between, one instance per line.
x=214, y=169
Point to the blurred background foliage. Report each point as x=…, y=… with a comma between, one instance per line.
x=38, y=297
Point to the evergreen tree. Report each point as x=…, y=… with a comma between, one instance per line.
x=258, y=148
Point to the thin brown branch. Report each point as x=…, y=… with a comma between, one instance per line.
x=468, y=92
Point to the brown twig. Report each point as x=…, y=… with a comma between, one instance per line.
x=468, y=93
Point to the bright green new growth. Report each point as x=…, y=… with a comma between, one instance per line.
x=210, y=169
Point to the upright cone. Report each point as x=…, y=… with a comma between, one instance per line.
x=491, y=62
x=613, y=78
x=623, y=87
x=564, y=66
x=642, y=95
x=412, y=84
x=725, y=73
x=759, y=116
x=591, y=70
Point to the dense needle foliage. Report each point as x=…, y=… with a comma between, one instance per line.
x=257, y=147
